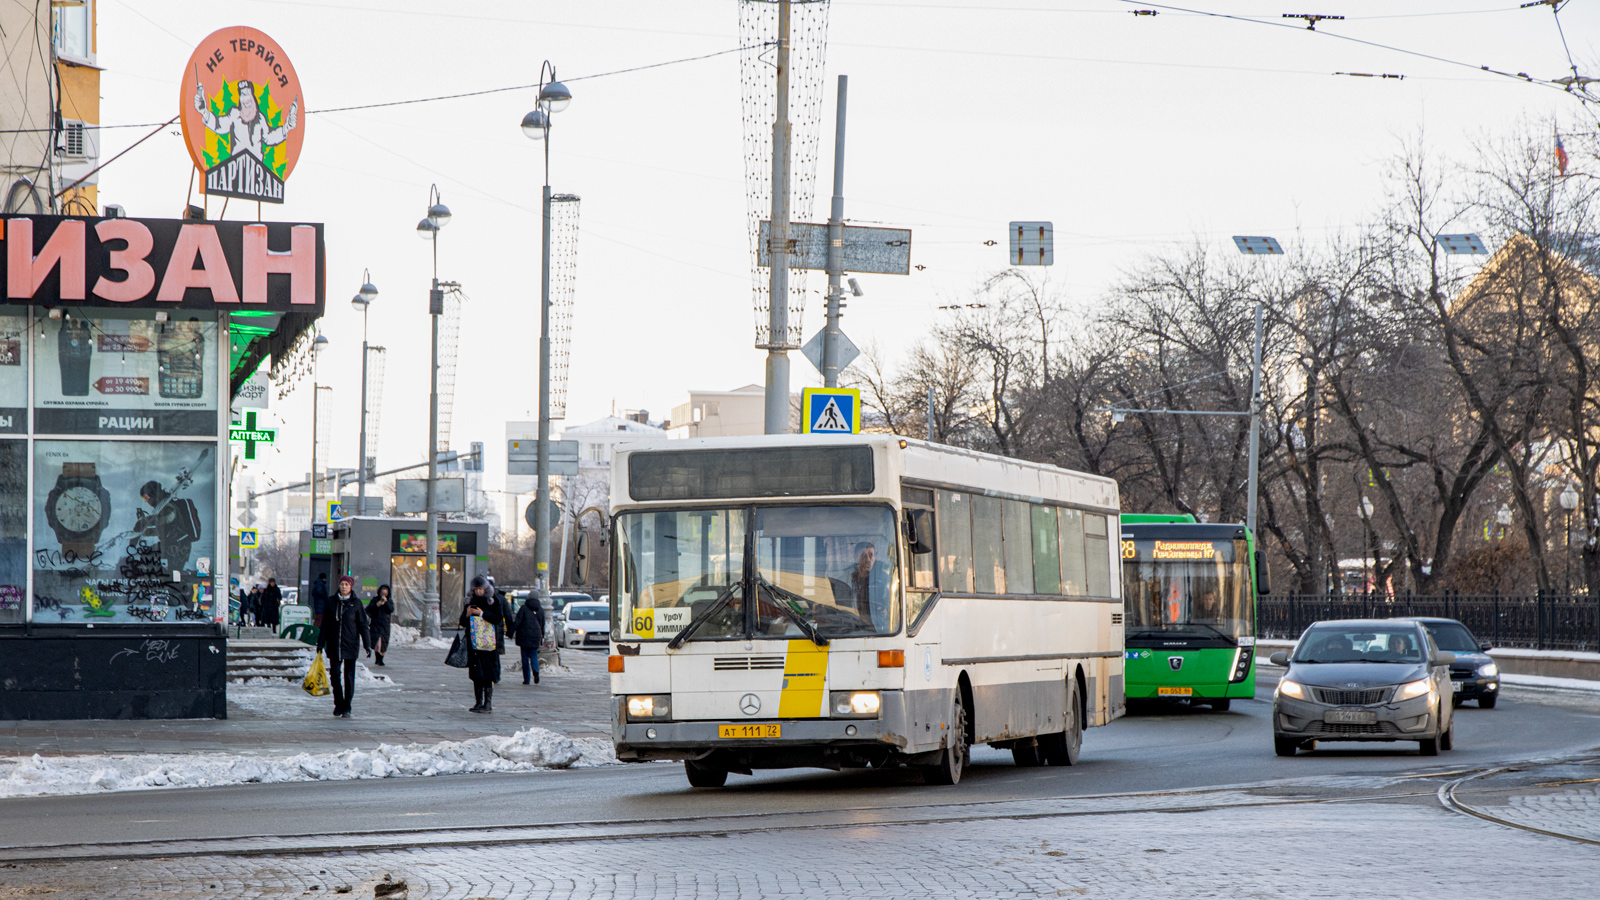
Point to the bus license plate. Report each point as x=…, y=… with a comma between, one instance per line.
x=763, y=730
x=1174, y=692
x=1350, y=716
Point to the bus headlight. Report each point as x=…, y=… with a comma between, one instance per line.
x=1414, y=689
x=649, y=706
x=855, y=704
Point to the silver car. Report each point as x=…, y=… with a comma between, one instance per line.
x=1364, y=680
x=585, y=624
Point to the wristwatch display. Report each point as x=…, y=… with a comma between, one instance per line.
x=78, y=508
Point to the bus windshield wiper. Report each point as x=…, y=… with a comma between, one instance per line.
x=694, y=624
x=805, y=627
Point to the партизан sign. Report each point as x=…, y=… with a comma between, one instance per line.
x=163, y=263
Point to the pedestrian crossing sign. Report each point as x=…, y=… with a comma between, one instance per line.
x=335, y=510
x=830, y=411
x=249, y=539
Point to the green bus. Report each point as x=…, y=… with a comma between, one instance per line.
x=1189, y=590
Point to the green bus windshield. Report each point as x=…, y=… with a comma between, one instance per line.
x=1192, y=587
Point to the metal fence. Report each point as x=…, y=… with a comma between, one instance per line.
x=1536, y=621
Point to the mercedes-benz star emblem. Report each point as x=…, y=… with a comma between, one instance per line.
x=1176, y=662
x=750, y=704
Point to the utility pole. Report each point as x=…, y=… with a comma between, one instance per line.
x=1255, y=427
x=830, y=333
x=777, y=400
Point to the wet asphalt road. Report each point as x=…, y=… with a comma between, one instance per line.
x=1170, y=750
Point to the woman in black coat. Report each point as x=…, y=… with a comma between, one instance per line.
x=483, y=666
x=343, y=635
x=379, y=611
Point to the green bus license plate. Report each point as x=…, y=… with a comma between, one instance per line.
x=1174, y=692
x=1350, y=716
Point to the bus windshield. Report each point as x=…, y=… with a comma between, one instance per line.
x=818, y=572
x=1208, y=595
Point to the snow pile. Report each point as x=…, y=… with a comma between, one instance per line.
x=255, y=677
x=529, y=750
x=406, y=636
x=1546, y=681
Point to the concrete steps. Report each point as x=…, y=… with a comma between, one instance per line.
x=268, y=658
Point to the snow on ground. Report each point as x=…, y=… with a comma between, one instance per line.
x=1545, y=681
x=406, y=636
x=529, y=750
x=253, y=677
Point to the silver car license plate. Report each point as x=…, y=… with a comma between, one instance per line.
x=1350, y=716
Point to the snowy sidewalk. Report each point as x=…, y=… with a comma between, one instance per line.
x=425, y=703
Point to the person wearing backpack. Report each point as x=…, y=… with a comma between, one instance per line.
x=528, y=629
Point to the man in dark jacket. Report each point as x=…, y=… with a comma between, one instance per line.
x=345, y=633
x=272, y=604
x=319, y=600
x=528, y=629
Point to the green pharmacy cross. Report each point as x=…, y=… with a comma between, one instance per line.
x=250, y=435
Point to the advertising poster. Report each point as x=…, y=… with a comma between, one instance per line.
x=116, y=376
x=13, y=530
x=13, y=374
x=124, y=531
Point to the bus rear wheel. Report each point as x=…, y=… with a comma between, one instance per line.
x=1064, y=747
x=703, y=776
x=953, y=760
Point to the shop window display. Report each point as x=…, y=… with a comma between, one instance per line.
x=124, y=531
x=115, y=375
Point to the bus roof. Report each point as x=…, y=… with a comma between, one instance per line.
x=1155, y=518
x=900, y=459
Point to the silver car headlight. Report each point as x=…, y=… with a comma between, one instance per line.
x=1488, y=670
x=1410, y=689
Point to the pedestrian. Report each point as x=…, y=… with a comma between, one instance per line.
x=483, y=666
x=319, y=599
x=247, y=607
x=256, y=607
x=379, y=612
x=345, y=633
x=528, y=629
x=272, y=603
x=506, y=608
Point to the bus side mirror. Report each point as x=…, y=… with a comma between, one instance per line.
x=1261, y=573
x=919, y=530
x=580, y=559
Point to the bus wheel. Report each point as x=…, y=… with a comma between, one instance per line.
x=1064, y=747
x=1221, y=705
x=701, y=775
x=954, y=758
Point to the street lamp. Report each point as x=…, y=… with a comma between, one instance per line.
x=362, y=301
x=553, y=98
x=318, y=345
x=428, y=229
x=1255, y=246
x=1569, y=503
x=1367, y=551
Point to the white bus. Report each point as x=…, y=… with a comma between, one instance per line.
x=851, y=601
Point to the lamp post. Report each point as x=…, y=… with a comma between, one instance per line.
x=1255, y=246
x=553, y=98
x=1569, y=503
x=317, y=347
x=1369, y=561
x=361, y=301
x=428, y=229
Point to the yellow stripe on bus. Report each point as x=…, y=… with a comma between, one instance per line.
x=804, y=677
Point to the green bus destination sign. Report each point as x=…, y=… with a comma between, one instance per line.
x=250, y=435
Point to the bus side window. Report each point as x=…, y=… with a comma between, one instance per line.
x=988, y=561
x=1097, y=553
x=1019, y=547
x=920, y=529
x=1074, y=580
x=955, y=542
x=1046, y=552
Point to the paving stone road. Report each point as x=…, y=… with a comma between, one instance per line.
x=1355, y=850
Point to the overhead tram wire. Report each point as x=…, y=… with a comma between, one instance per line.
x=463, y=95
x=1518, y=76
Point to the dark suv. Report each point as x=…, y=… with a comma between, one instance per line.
x=1473, y=675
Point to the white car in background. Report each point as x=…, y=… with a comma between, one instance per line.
x=584, y=624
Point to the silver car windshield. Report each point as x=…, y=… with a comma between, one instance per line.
x=1340, y=644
